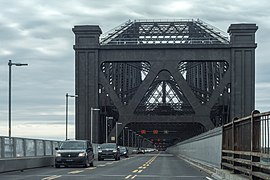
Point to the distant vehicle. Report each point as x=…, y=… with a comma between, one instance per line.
x=74, y=152
x=124, y=151
x=140, y=151
x=108, y=151
x=149, y=150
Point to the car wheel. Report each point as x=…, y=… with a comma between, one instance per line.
x=92, y=164
x=86, y=163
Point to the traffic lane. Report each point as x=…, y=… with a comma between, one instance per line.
x=38, y=173
x=148, y=166
x=107, y=169
x=167, y=166
x=111, y=170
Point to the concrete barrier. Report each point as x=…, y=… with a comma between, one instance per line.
x=204, y=148
x=20, y=164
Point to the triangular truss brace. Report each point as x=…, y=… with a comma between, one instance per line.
x=164, y=97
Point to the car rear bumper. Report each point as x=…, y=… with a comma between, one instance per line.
x=107, y=155
x=70, y=161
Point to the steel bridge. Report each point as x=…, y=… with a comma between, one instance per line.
x=161, y=81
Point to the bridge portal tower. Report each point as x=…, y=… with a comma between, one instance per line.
x=179, y=77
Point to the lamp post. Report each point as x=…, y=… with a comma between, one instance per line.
x=129, y=137
x=106, y=129
x=116, y=132
x=124, y=135
x=91, y=122
x=67, y=96
x=132, y=139
x=10, y=63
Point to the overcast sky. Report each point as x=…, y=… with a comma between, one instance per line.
x=38, y=32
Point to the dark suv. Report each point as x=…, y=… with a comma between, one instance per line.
x=74, y=152
x=108, y=151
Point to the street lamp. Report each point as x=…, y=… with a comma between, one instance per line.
x=116, y=132
x=67, y=96
x=106, y=124
x=91, y=122
x=10, y=63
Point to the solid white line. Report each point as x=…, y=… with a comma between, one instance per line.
x=209, y=178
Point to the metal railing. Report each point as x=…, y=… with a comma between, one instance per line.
x=139, y=41
x=246, y=146
x=16, y=147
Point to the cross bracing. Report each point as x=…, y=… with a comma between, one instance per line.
x=183, y=31
x=203, y=76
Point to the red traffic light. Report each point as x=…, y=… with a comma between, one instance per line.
x=143, y=131
x=155, y=131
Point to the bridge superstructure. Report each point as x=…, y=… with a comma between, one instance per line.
x=162, y=80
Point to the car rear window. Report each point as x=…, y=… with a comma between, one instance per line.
x=73, y=145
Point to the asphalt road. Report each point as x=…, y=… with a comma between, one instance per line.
x=147, y=166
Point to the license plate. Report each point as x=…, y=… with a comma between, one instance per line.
x=69, y=160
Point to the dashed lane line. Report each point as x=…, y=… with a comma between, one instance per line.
x=141, y=168
x=75, y=172
x=133, y=177
x=51, y=177
x=128, y=176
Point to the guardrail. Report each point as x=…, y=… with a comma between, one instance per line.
x=246, y=147
x=24, y=153
x=23, y=147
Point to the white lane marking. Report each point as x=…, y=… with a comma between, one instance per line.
x=75, y=172
x=101, y=165
x=51, y=177
x=209, y=178
x=128, y=176
x=109, y=163
x=133, y=177
x=159, y=176
x=91, y=168
x=135, y=171
x=140, y=171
